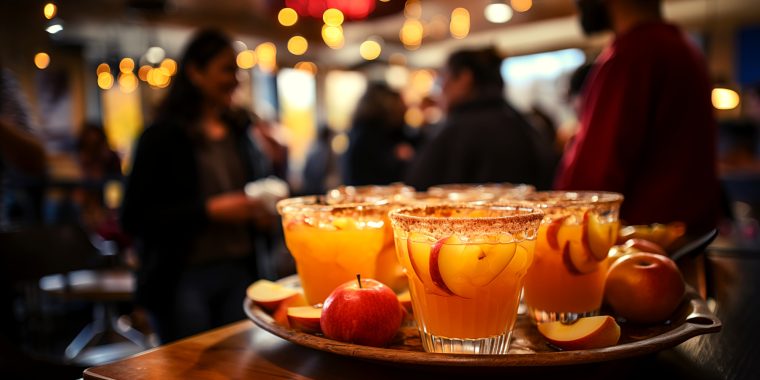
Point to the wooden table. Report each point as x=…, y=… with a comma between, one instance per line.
x=244, y=351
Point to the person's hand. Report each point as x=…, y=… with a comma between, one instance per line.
x=234, y=207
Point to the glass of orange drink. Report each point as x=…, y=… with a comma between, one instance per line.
x=465, y=264
x=388, y=270
x=566, y=280
x=332, y=243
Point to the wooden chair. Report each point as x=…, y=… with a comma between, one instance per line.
x=61, y=261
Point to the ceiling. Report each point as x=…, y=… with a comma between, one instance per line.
x=128, y=27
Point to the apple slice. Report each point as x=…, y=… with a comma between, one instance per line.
x=268, y=294
x=465, y=268
x=305, y=318
x=419, y=255
x=578, y=259
x=583, y=334
x=433, y=267
x=280, y=315
x=598, y=236
x=405, y=299
x=551, y=232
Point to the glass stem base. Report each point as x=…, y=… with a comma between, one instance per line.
x=494, y=345
x=541, y=316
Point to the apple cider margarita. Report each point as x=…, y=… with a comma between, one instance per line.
x=465, y=264
x=331, y=243
x=566, y=280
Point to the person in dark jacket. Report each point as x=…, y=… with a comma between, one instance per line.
x=483, y=138
x=378, y=150
x=184, y=199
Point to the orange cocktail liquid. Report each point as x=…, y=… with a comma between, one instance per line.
x=329, y=254
x=554, y=285
x=485, y=305
x=388, y=269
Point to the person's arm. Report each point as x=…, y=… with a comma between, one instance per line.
x=20, y=149
x=613, y=129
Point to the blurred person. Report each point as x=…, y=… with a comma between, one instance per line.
x=566, y=132
x=21, y=153
x=378, y=149
x=483, y=138
x=185, y=200
x=320, y=171
x=646, y=126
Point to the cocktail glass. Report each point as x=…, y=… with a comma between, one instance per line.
x=388, y=270
x=331, y=244
x=566, y=280
x=465, y=264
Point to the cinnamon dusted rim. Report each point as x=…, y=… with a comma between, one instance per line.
x=468, y=219
x=573, y=199
x=320, y=204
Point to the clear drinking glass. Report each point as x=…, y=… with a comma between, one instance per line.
x=332, y=243
x=566, y=280
x=465, y=264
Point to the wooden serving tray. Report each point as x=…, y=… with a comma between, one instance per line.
x=527, y=349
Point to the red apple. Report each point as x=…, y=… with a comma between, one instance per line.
x=583, y=334
x=305, y=318
x=268, y=294
x=644, y=287
x=362, y=312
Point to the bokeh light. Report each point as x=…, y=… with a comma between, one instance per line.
x=169, y=65
x=297, y=45
x=246, y=59
x=287, y=17
x=522, y=5
x=460, y=23
x=333, y=17
x=105, y=80
x=126, y=65
x=267, y=57
x=725, y=98
x=41, y=60
x=50, y=11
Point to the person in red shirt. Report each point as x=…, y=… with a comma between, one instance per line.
x=647, y=128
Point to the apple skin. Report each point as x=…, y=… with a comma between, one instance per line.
x=644, y=288
x=585, y=333
x=643, y=245
x=369, y=315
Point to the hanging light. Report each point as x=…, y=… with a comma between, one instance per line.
x=498, y=12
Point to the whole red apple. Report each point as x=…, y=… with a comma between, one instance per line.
x=364, y=312
x=644, y=287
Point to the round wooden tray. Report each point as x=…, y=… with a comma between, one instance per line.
x=527, y=348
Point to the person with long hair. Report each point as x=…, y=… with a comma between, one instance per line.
x=185, y=202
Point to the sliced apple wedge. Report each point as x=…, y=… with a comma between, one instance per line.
x=305, y=318
x=268, y=294
x=551, y=232
x=434, y=260
x=583, y=334
x=578, y=259
x=280, y=315
x=598, y=236
x=420, y=251
x=465, y=268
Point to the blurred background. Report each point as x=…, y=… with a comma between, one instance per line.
x=90, y=73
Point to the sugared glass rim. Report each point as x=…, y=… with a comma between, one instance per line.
x=553, y=199
x=319, y=203
x=520, y=219
x=350, y=193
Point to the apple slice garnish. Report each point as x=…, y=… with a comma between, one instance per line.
x=578, y=259
x=551, y=232
x=420, y=250
x=268, y=294
x=465, y=268
x=280, y=315
x=583, y=334
x=305, y=318
x=598, y=236
x=433, y=262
